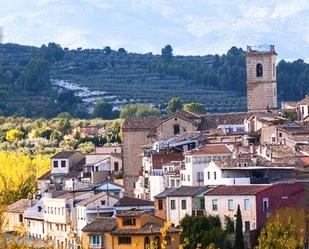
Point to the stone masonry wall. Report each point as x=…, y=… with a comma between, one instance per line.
x=261, y=91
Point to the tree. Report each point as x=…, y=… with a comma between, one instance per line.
x=229, y=225
x=35, y=76
x=107, y=50
x=202, y=231
x=174, y=105
x=103, y=109
x=286, y=225
x=194, y=107
x=53, y=52
x=14, y=135
x=138, y=110
x=122, y=51
x=239, y=236
x=167, y=53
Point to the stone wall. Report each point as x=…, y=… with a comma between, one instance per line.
x=261, y=91
x=133, y=141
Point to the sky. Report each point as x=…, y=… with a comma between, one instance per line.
x=192, y=27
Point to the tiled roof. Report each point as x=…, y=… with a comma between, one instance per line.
x=238, y=189
x=148, y=228
x=94, y=198
x=183, y=191
x=161, y=158
x=69, y=195
x=65, y=154
x=18, y=206
x=127, y=201
x=142, y=123
x=212, y=121
x=46, y=176
x=130, y=213
x=105, y=224
x=210, y=149
x=165, y=193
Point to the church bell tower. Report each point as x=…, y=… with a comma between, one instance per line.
x=261, y=78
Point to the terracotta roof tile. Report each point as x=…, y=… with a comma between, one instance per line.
x=65, y=154
x=18, y=206
x=130, y=213
x=106, y=224
x=127, y=201
x=162, y=158
x=238, y=189
x=210, y=149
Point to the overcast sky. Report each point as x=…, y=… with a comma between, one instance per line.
x=190, y=26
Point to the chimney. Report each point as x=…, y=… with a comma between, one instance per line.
x=251, y=149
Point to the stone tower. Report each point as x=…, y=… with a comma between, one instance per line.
x=261, y=79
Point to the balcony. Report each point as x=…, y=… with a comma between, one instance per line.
x=199, y=212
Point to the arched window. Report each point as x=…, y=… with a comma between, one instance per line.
x=157, y=242
x=176, y=129
x=146, y=243
x=259, y=70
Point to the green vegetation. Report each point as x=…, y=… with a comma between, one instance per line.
x=174, y=104
x=103, y=109
x=217, y=82
x=138, y=110
x=194, y=107
x=201, y=232
x=239, y=236
x=286, y=228
x=47, y=136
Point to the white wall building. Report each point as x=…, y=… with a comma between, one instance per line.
x=192, y=174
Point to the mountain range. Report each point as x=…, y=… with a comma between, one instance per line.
x=192, y=27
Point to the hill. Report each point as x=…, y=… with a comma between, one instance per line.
x=119, y=77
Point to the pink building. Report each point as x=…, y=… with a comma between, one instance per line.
x=256, y=202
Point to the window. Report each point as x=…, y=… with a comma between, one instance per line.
x=208, y=175
x=215, y=175
x=176, y=129
x=188, y=159
x=173, y=205
x=96, y=241
x=200, y=176
x=274, y=70
x=172, y=183
x=259, y=70
x=265, y=204
x=247, y=225
x=128, y=222
x=280, y=134
x=230, y=205
x=183, y=204
x=146, y=242
x=20, y=218
x=202, y=203
x=188, y=178
x=63, y=163
x=55, y=164
x=124, y=240
x=215, y=205
x=160, y=204
x=247, y=204
x=116, y=166
x=194, y=159
x=103, y=203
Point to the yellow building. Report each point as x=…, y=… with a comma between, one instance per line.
x=130, y=229
x=14, y=215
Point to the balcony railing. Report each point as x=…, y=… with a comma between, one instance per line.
x=199, y=212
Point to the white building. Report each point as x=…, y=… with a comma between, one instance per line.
x=99, y=205
x=196, y=160
x=182, y=201
x=246, y=171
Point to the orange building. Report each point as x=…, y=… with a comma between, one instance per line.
x=130, y=229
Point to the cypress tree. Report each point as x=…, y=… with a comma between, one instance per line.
x=239, y=236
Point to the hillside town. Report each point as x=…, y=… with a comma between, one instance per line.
x=174, y=166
